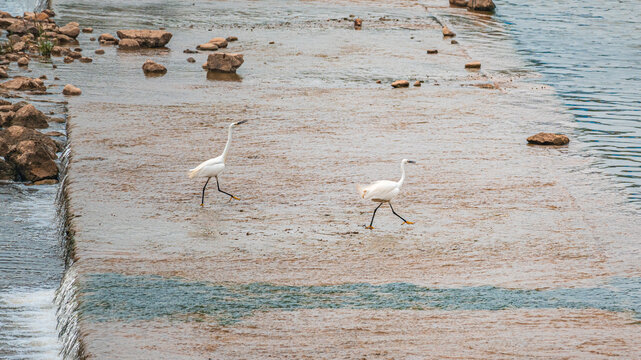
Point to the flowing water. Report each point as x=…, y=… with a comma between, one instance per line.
x=145, y=266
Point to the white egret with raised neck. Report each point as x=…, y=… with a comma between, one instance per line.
x=213, y=167
x=383, y=191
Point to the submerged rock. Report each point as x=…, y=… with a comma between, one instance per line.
x=207, y=47
x=548, y=139
x=432, y=51
x=481, y=5
x=99, y=51
x=400, y=83
x=71, y=90
x=146, y=38
x=85, y=59
x=231, y=38
x=473, y=65
x=151, y=67
x=22, y=83
x=227, y=63
x=447, y=32
x=218, y=41
x=191, y=60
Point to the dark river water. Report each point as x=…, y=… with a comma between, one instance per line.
x=588, y=51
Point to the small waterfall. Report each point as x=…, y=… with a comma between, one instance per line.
x=66, y=295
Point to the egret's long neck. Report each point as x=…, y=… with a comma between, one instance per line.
x=400, y=182
x=227, y=145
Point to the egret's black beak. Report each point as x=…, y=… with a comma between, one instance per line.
x=241, y=122
x=411, y=161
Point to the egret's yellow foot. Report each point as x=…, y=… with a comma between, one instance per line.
x=369, y=227
x=409, y=222
x=235, y=198
x=201, y=205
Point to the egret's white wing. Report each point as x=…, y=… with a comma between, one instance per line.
x=380, y=190
x=209, y=168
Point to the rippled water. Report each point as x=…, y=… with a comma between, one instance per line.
x=589, y=52
x=31, y=269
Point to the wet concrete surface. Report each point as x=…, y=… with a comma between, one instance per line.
x=489, y=210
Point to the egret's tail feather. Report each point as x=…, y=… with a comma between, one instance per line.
x=193, y=173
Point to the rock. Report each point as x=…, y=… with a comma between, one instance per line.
x=64, y=39
x=548, y=139
x=54, y=133
x=4, y=102
x=189, y=51
x=22, y=83
x=358, y=23
x=231, y=38
x=400, y=83
x=30, y=117
x=13, y=57
x=454, y=42
x=219, y=41
x=481, y=5
x=473, y=65
x=3, y=74
x=71, y=29
x=272, y=42
x=107, y=39
x=99, y=51
x=5, y=118
x=447, y=32
x=68, y=59
x=19, y=46
x=92, y=39
x=71, y=90
x=227, y=63
x=15, y=134
x=87, y=30
x=85, y=59
x=77, y=49
x=378, y=81
x=75, y=55
x=45, y=182
x=7, y=171
x=33, y=161
x=19, y=105
x=207, y=47
x=460, y=3
x=417, y=83
x=146, y=38
x=17, y=28
x=128, y=44
x=432, y=51
x=58, y=51
x=151, y=67
x=49, y=12
x=23, y=61
x=191, y=60
x=42, y=16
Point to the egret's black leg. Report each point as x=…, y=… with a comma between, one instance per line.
x=202, y=199
x=226, y=193
x=407, y=222
x=374, y=214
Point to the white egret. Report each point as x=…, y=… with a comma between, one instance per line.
x=213, y=167
x=383, y=191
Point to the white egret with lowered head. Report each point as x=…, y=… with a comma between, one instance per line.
x=213, y=167
x=383, y=191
